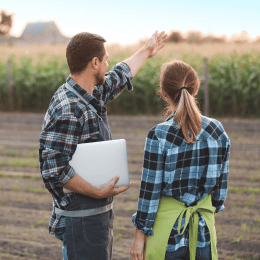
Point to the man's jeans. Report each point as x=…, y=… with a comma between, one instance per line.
x=64, y=248
x=182, y=253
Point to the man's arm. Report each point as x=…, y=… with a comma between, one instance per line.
x=59, y=140
x=153, y=45
x=122, y=73
x=79, y=185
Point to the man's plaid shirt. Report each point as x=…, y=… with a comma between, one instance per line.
x=68, y=122
x=184, y=171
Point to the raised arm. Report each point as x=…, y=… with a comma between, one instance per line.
x=123, y=72
x=153, y=45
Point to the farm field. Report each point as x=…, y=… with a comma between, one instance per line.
x=25, y=205
x=171, y=50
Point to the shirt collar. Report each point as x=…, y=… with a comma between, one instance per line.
x=89, y=98
x=170, y=116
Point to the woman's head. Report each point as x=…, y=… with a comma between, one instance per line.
x=176, y=74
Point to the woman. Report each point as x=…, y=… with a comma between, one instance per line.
x=185, y=175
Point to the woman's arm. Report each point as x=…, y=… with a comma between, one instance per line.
x=138, y=248
x=150, y=192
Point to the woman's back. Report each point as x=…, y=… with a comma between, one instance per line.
x=185, y=158
x=187, y=172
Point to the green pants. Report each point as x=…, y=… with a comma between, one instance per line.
x=168, y=211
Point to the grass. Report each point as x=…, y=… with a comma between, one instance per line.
x=43, y=220
x=23, y=163
x=34, y=154
x=15, y=187
x=132, y=206
x=239, y=190
x=136, y=184
x=28, y=188
x=5, y=174
x=20, y=163
x=252, y=202
x=36, y=189
x=12, y=153
x=3, y=162
x=117, y=236
x=235, y=240
x=253, y=179
x=245, y=227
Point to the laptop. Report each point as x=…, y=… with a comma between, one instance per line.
x=99, y=162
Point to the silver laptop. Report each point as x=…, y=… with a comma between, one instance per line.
x=99, y=162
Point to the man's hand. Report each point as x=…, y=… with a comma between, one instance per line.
x=109, y=189
x=155, y=43
x=79, y=185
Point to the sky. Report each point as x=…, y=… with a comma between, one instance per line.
x=126, y=22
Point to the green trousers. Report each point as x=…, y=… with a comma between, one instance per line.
x=168, y=211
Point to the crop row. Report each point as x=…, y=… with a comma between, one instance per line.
x=234, y=86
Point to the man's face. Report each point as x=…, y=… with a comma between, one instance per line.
x=100, y=75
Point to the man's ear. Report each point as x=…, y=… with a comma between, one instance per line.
x=95, y=63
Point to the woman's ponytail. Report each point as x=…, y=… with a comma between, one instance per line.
x=176, y=74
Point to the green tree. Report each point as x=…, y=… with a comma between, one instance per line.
x=6, y=23
x=175, y=36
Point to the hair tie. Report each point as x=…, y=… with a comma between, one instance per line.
x=183, y=87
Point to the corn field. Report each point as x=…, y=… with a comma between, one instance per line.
x=234, y=82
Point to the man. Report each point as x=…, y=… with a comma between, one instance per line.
x=77, y=114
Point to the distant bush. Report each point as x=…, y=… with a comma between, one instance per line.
x=194, y=37
x=175, y=36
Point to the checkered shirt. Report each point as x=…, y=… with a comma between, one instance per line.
x=68, y=122
x=184, y=171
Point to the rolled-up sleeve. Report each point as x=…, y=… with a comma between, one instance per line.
x=59, y=140
x=220, y=194
x=151, y=183
x=116, y=80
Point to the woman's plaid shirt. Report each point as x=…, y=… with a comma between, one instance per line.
x=68, y=122
x=184, y=171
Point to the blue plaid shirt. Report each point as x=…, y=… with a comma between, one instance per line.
x=68, y=122
x=184, y=171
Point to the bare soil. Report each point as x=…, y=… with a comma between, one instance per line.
x=25, y=206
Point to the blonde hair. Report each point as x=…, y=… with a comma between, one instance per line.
x=176, y=74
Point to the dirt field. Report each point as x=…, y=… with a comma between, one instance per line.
x=25, y=206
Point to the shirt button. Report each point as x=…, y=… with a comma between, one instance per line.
x=150, y=233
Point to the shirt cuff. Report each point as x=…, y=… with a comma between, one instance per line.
x=218, y=209
x=140, y=226
x=129, y=75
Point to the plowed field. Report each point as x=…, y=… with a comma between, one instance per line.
x=25, y=205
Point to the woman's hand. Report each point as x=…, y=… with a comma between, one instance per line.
x=138, y=248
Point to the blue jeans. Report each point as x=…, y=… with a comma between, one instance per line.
x=90, y=237
x=64, y=245
x=202, y=253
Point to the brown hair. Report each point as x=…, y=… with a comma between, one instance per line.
x=82, y=48
x=176, y=74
